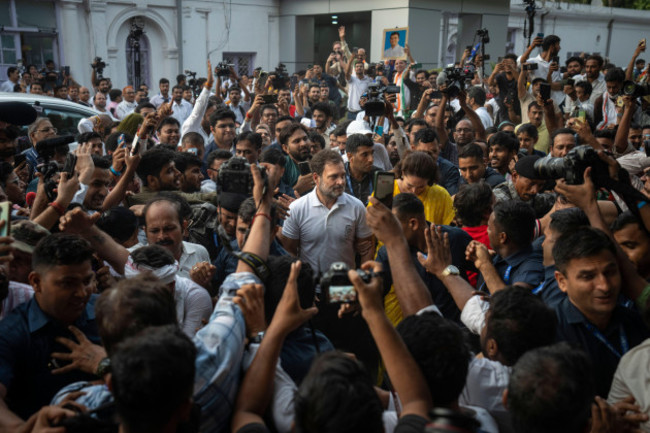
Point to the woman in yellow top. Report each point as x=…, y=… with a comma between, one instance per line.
x=417, y=174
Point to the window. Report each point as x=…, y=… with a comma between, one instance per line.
x=144, y=61
x=243, y=62
x=65, y=119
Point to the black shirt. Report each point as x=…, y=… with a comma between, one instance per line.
x=362, y=189
x=626, y=328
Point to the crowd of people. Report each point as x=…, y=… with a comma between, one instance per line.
x=213, y=257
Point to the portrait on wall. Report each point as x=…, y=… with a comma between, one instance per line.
x=394, y=42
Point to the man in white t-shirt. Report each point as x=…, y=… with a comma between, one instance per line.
x=357, y=86
x=327, y=225
x=476, y=100
x=546, y=64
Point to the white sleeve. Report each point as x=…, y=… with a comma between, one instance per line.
x=85, y=125
x=198, y=306
x=473, y=314
x=80, y=195
x=291, y=228
x=193, y=122
x=363, y=231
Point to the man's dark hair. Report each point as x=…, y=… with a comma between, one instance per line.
x=132, y=305
x=534, y=104
x=422, y=71
x=615, y=74
x=218, y=154
x=635, y=126
x=273, y=156
x=549, y=41
x=110, y=144
x=408, y=205
x=152, y=162
x=177, y=87
x=322, y=158
x=511, y=56
x=566, y=220
x=253, y=137
x=247, y=210
x=598, y=59
x=87, y=136
x=605, y=133
x=438, y=347
x=355, y=141
x=315, y=137
x=394, y=33
x=419, y=164
x=169, y=120
x=323, y=107
x=118, y=222
x=221, y=114
x=585, y=86
x=529, y=129
x=580, y=243
x=180, y=78
x=505, y=139
x=337, y=395
x=142, y=105
x=11, y=70
x=551, y=389
x=288, y=131
x=113, y=94
x=471, y=150
x=153, y=256
x=575, y=59
x=473, y=203
x=185, y=160
x=415, y=122
x=519, y=321
x=163, y=81
x=340, y=131
x=517, y=220
x=152, y=376
x=269, y=107
x=478, y=94
x=425, y=135
x=624, y=220
x=193, y=138
x=61, y=249
x=283, y=118
x=561, y=131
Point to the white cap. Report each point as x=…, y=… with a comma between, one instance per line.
x=358, y=127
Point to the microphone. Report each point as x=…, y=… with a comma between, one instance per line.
x=45, y=148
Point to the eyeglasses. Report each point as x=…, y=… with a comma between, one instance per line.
x=463, y=130
x=51, y=128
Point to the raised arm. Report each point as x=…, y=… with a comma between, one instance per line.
x=621, y=141
x=629, y=72
x=412, y=294
x=443, y=137
x=65, y=193
x=471, y=115
x=405, y=375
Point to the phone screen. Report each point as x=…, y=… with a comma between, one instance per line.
x=341, y=293
x=545, y=91
x=384, y=185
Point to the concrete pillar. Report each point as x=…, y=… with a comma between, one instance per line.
x=288, y=35
x=424, y=33
x=73, y=46
x=467, y=26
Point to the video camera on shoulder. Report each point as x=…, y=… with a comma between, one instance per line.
x=235, y=177
x=337, y=287
x=456, y=77
x=223, y=69
x=376, y=105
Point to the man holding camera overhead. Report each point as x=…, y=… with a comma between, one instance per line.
x=548, y=66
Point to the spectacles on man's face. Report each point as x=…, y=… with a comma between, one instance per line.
x=48, y=129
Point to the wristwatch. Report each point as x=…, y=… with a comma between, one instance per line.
x=103, y=368
x=450, y=270
x=257, y=339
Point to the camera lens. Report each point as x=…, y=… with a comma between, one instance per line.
x=551, y=168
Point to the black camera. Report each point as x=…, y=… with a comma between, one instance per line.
x=336, y=287
x=48, y=167
x=223, y=69
x=483, y=35
x=98, y=65
x=280, y=77
x=572, y=167
x=375, y=105
x=630, y=88
x=235, y=176
x=456, y=77
x=192, y=82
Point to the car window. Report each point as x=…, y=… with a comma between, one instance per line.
x=64, y=120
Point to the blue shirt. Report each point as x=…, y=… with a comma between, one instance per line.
x=524, y=266
x=27, y=340
x=449, y=175
x=458, y=241
x=491, y=177
x=625, y=328
x=548, y=290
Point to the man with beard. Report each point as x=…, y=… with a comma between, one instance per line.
x=594, y=76
x=327, y=225
x=293, y=139
x=359, y=168
x=189, y=165
x=322, y=116
x=222, y=125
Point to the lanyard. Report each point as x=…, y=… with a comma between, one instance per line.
x=539, y=288
x=347, y=178
x=625, y=346
x=506, y=278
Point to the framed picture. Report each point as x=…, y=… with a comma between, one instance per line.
x=395, y=40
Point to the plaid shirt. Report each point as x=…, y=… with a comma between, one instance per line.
x=220, y=349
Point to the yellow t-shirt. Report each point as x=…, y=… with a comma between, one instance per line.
x=438, y=205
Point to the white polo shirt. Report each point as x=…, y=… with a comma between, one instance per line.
x=326, y=235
